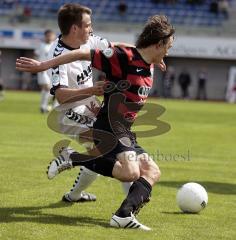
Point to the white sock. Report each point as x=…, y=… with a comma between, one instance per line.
x=55, y=104
x=85, y=178
x=45, y=96
x=126, y=186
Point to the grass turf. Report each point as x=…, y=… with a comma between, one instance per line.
x=199, y=147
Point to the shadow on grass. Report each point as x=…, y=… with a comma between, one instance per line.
x=179, y=213
x=213, y=187
x=34, y=214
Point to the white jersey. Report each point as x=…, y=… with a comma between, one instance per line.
x=42, y=54
x=75, y=75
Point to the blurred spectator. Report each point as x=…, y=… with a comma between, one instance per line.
x=231, y=86
x=223, y=6
x=194, y=2
x=26, y=14
x=44, y=80
x=184, y=82
x=171, y=1
x=17, y=13
x=214, y=8
x=168, y=81
x=233, y=100
x=8, y=3
x=201, y=85
x=122, y=8
x=165, y=1
x=25, y=79
x=1, y=90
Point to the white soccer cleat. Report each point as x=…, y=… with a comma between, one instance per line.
x=128, y=222
x=61, y=163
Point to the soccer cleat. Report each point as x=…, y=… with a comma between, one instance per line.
x=127, y=222
x=84, y=197
x=61, y=163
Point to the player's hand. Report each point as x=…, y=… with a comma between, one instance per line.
x=93, y=108
x=98, y=88
x=162, y=66
x=24, y=64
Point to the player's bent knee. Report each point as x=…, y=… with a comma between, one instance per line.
x=130, y=172
x=149, y=168
x=133, y=175
x=127, y=156
x=153, y=172
x=156, y=172
x=126, y=173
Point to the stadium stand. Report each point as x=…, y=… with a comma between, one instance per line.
x=180, y=12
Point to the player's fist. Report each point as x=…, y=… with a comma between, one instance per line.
x=98, y=88
x=162, y=66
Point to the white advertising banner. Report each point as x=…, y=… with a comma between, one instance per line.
x=184, y=46
x=204, y=47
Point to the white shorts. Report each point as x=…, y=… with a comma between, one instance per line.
x=44, y=79
x=75, y=118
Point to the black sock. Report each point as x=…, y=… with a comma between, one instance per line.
x=100, y=165
x=139, y=194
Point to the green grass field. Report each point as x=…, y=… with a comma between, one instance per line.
x=204, y=134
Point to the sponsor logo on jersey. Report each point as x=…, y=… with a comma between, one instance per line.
x=144, y=91
x=108, y=52
x=139, y=69
x=84, y=76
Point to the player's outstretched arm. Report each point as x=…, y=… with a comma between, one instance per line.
x=31, y=65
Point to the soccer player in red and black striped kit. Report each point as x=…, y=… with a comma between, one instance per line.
x=128, y=84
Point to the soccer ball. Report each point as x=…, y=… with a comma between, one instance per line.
x=192, y=197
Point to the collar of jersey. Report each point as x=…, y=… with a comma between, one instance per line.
x=64, y=45
x=135, y=49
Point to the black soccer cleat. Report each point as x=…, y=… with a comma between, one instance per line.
x=84, y=197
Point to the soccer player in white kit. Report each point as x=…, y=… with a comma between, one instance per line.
x=44, y=80
x=73, y=81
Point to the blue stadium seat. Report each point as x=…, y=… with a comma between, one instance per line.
x=138, y=10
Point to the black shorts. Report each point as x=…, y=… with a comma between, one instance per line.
x=124, y=139
x=120, y=147
x=105, y=163
x=121, y=139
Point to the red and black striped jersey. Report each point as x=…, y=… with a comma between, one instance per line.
x=128, y=75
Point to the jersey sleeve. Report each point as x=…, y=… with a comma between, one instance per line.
x=100, y=43
x=112, y=61
x=59, y=78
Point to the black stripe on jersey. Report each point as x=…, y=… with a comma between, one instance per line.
x=140, y=71
x=134, y=89
x=106, y=66
x=123, y=61
x=58, y=50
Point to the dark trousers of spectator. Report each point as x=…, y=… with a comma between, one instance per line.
x=185, y=93
x=201, y=93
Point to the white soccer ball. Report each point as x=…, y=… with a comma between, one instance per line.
x=192, y=197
